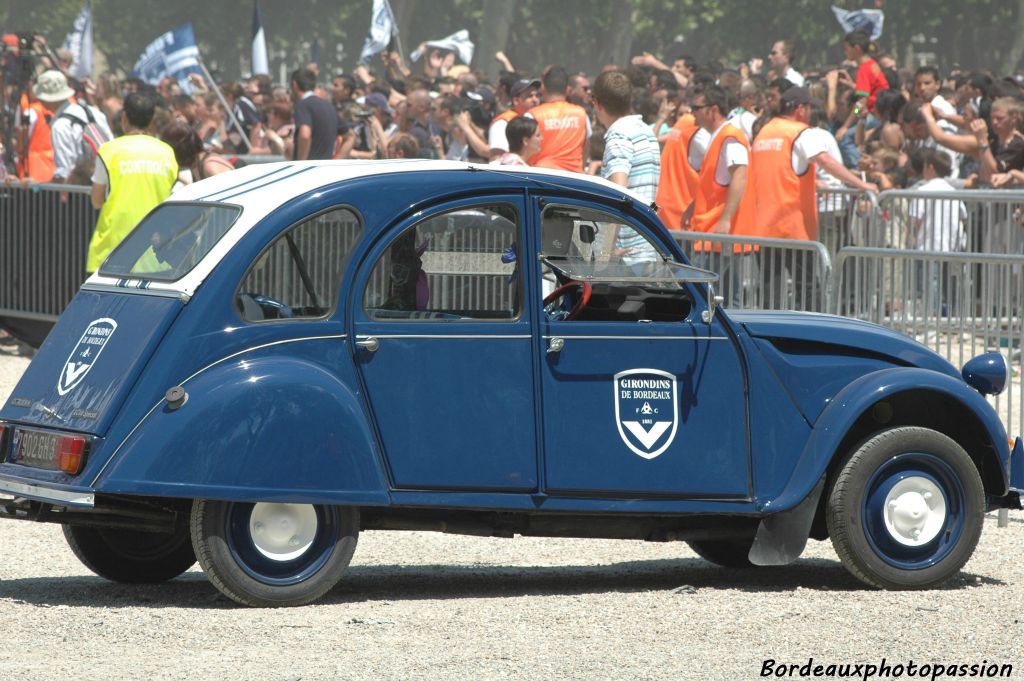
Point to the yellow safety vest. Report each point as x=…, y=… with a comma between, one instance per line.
x=140, y=173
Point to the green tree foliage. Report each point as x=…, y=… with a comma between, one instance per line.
x=579, y=34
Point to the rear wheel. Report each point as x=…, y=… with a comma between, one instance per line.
x=271, y=554
x=906, y=509
x=730, y=553
x=131, y=556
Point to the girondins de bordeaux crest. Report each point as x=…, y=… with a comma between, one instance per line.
x=646, y=404
x=85, y=354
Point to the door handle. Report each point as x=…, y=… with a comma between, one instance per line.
x=370, y=344
x=555, y=345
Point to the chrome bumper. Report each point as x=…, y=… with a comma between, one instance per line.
x=51, y=495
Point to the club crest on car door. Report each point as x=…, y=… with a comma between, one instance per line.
x=85, y=354
x=646, y=408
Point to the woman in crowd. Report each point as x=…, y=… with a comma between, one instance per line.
x=194, y=163
x=524, y=138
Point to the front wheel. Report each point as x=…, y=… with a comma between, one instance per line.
x=131, y=556
x=906, y=509
x=271, y=554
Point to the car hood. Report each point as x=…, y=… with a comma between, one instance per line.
x=816, y=355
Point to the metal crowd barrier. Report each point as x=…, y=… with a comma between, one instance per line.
x=762, y=273
x=44, y=241
x=974, y=220
x=957, y=304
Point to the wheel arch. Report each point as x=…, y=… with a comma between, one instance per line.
x=917, y=397
x=269, y=427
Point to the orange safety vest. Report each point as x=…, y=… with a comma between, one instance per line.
x=37, y=162
x=677, y=185
x=709, y=203
x=506, y=115
x=564, y=127
x=784, y=204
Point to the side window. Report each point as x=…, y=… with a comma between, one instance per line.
x=299, y=275
x=602, y=238
x=603, y=270
x=457, y=265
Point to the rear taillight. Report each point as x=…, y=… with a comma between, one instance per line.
x=70, y=453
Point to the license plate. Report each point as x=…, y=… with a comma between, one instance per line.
x=36, y=449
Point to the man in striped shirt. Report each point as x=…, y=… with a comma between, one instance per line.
x=632, y=158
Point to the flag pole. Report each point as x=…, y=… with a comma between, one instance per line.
x=227, y=109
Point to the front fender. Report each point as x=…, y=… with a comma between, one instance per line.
x=266, y=428
x=850, y=404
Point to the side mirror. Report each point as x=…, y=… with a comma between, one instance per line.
x=588, y=233
x=713, y=302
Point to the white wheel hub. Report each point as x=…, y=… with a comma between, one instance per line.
x=282, y=531
x=915, y=511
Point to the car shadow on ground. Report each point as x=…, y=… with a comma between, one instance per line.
x=366, y=583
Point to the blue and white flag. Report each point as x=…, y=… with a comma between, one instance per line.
x=79, y=43
x=382, y=28
x=868, y=20
x=259, y=43
x=457, y=42
x=173, y=54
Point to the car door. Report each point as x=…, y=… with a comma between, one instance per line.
x=445, y=352
x=641, y=395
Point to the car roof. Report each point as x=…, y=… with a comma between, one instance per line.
x=260, y=189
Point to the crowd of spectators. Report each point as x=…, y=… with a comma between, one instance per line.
x=875, y=126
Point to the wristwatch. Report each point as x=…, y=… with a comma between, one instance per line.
x=982, y=148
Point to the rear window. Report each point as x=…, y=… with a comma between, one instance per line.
x=170, y=241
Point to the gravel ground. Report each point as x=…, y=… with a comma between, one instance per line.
x=431, y=606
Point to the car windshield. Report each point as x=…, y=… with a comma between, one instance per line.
x=170, y=241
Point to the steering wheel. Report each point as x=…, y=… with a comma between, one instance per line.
x=581, y=302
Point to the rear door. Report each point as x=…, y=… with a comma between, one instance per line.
x=444, y=349
x=641, y=397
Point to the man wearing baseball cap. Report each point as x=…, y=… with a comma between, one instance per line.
x=525, y=95
x=69, y=123
x=780, y=201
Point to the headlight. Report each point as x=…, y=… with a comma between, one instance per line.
x=989, y=374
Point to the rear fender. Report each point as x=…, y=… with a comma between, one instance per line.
x=270, y=427
x=853, y=401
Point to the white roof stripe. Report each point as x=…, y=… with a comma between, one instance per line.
x=262, y=188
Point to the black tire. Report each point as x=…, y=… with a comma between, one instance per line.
x=906, y=508
x=728, y=553
x=130, y=556
x=256, y=569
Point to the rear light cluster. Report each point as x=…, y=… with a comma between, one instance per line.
x=70, y=453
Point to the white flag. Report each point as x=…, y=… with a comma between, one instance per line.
x=79, y=43
x=259, y=43
x=868, y=20
x=382, y=28
x=457, y=42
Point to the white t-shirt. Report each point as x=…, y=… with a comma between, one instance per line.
x=942, y=105
x=744, y=120
x=496, y=135
x=794, y=77
x=698, y=147
x=733, y=153
x=938, y=224
x=809, y=144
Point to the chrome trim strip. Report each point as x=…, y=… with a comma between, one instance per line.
x=114, y=288
x=643, y=338
x=208, y=366
x=48, y=494
x=444, y=336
